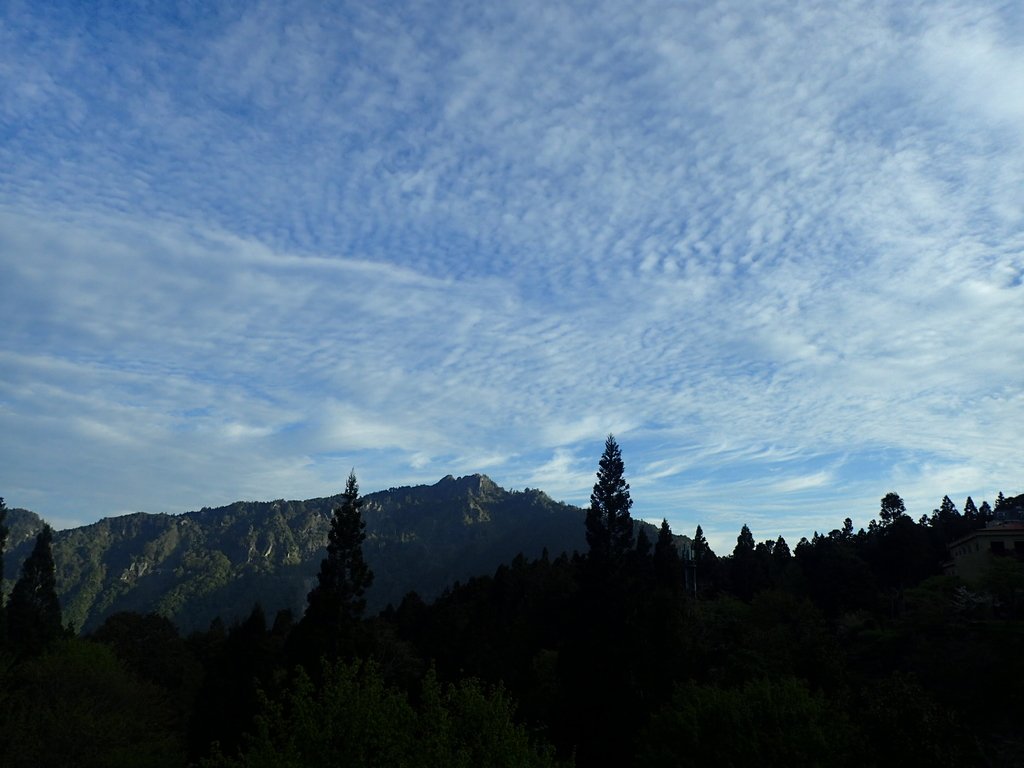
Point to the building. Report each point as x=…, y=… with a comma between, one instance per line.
x=971, y=555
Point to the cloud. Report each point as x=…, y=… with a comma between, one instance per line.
x=242, y=253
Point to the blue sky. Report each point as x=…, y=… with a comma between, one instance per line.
x=776, y=248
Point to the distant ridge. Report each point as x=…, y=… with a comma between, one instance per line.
x=219, y=561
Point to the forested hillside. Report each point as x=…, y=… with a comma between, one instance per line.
x=850, y=648
x=218, y=562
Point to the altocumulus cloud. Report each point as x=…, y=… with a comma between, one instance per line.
x=776, y=248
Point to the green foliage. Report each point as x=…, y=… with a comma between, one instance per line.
x=355, y=718
x=1004, y=580
x=196, y=566
x=77, y=705
x=762, y=722
x=33, y=613
x=150, y=647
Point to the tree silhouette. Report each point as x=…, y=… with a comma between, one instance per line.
x=744, y=543
x=3, y=543
x=970, y=511
x=701, y=549
x=338, y=598
x=666, y=558
x=336, y=603
x=892, y=508
x=33, y=612
x=609, y=525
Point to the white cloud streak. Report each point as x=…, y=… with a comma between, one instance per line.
x=775, y=248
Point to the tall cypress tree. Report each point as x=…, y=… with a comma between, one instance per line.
x=33, y=612
x=336, y=603
x=609, y=524
x=344, y=576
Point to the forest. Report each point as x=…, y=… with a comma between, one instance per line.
x=851, y=648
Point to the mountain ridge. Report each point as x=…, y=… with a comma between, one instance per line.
x=198, y=565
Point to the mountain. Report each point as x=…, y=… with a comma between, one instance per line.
x=199, y=565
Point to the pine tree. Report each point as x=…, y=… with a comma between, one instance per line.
x=609, y=525
x=331, y=625
x=33, y=612
x=892, y=508
x=344, y=577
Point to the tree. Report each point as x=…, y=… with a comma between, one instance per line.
x=643, y=543
x=746, y=568
x=891, y=509
x=666, y=557
x=3, y=543
x=985, y=512
x=356, y=717
x=744, y=543
x=781, y=549
x=33, y=612
x=609, y=525
x=336, y=604
x=970, y=510
x=701, y=549
x=338, y=598
x=77, y=704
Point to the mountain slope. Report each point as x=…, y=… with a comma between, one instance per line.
x=218, y=562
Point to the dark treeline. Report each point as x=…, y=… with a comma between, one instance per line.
x=850, y=648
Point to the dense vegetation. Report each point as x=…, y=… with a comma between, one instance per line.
x=218, y=561
x=850, y=648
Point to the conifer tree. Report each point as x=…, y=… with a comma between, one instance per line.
x=985, y=512
x=330, y=628
x=609, y=524
x=33, y=612
x=701, y=550
x=643, y=543
x=344, y=577
x=666, y=557
x=781, y=549
x=744, y=543
x=970, y=510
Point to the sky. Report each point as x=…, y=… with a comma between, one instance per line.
x=775, y=248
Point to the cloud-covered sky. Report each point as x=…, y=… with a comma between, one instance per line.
x=777, y=248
